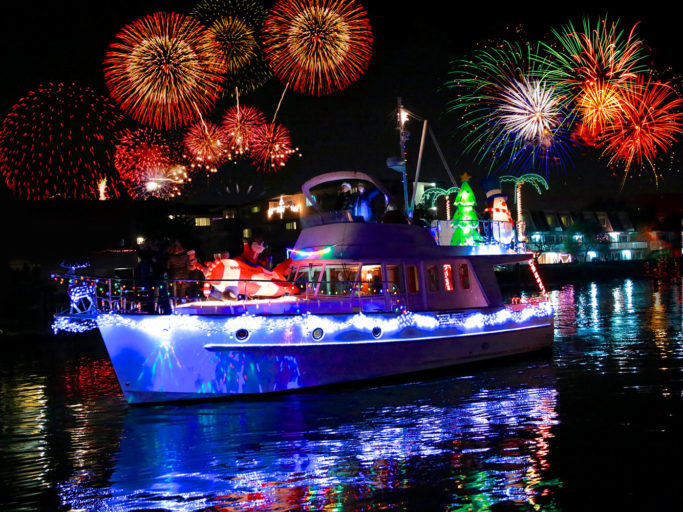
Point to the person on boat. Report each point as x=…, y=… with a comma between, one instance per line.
x=362, y=202
x=344, y=198
x=178, y=266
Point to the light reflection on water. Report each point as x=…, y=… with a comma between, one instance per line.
x=516, y=435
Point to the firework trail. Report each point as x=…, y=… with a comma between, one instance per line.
x=165, y=70
x=57, y=142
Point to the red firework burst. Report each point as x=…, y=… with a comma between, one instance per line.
x=164, y=70
x=649, y=121
x=271, y=147
x=318, y=46
x=145, y=161
x=240, y=124
x=209, y=145
x=57, y=142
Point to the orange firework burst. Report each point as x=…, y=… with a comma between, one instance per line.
x=649, y=121
x=599, y=104
x=271, y=147
x=209, y=145
x=237, y=25
x=318, y=46
x=145, y=161
x=164, y=70
x=240, y=124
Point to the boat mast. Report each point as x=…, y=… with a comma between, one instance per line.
x=403, y=137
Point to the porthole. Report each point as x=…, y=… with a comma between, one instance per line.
x=318, y=333
x=376, y=332
x=241, y=334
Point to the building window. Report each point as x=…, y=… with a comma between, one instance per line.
x=229, y=214
x=291, y=225
x=246, y=233
x=202, y=221
x=255, y=209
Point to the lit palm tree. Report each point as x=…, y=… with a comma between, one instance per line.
x=430, y=196
x=532, y=179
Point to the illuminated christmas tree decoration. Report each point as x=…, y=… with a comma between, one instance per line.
x=465, y=221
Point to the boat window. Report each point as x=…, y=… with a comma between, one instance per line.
x=292, y=274
x=395, y=276
x=338, y=280
x=464, y=276
x=308, y=276
x=413, y=279
x=448, y=277
x=432, y=278
x=371, y=279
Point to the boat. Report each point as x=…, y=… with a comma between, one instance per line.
x=375, y=299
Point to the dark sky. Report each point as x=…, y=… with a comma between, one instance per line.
x=354, y=129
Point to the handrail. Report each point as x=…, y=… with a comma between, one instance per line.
x=91, y=294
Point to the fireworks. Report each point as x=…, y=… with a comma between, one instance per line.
x=599, y=105
x=600, y=55
x=318, y=46
x=145, y=161
x=511, y=115
x=56, y=142
x=271, y=147
x=208, y=144
x=236, y=25
x=649, y=121
x=240, y=124
x=164, y=70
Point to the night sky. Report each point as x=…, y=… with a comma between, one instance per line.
x=356, y=128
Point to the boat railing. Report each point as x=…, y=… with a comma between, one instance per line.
x=89, y=295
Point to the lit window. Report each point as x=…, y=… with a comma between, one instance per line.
x=290, y=225
x=448, y=277
x=202, y=221
x=246, y=233
x=255, y=209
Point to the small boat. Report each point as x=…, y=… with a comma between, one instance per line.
x=364, y=300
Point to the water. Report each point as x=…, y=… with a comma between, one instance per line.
x=596, y=424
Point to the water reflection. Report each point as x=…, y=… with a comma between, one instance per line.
x=539, y=433
x=481, y=441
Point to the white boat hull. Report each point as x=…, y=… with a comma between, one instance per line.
x=190, y=357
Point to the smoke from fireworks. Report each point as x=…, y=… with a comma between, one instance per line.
x=57, y=142
x=148, y=166
x=271, y=147
x=240, y=123
x=236, y=25
x=164, y=70
x=318, y=46
x=208, y=144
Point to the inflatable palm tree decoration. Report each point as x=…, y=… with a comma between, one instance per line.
x=465, y=221
x=532, y=179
